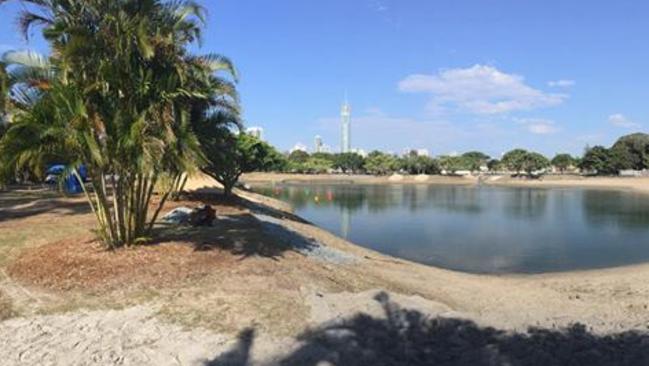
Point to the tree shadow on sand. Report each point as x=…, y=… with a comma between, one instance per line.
x=243, y=235
x=19, y=204
x=409, y=337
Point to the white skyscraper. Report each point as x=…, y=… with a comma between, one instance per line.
x=318, y=144
x=345, y=117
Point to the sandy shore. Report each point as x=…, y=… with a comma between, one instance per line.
x=267, y=308
x=253, y=178
x=637, y=184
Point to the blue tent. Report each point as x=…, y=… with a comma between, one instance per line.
x=71, y=184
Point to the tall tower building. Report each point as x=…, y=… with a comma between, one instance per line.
x=345, y=118
x=318, y=144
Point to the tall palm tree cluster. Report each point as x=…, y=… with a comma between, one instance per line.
x=120, y=94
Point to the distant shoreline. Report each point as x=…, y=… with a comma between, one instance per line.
x=640, y=184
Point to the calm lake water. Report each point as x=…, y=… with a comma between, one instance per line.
x=482, y=229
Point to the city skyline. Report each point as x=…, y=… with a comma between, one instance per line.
x=444, y=76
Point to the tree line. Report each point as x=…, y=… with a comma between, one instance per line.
x=630, y=152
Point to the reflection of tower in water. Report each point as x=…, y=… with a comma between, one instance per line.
x=345, y=222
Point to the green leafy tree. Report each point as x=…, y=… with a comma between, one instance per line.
x=631, y=152
x=229, y=155
x=274, y=160
x=514, y=160
x=534, y=162
x=494, y=165
x=119, y=98
x=298, y=157
x=317, y=165
x=563, y=162
x=519, y=160
x=598, y=160
x=349, y=162
x=453, y=164
x=475, y=160
x=414, y=163
x=379, y=163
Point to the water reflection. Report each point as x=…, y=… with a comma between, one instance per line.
x=482, y=229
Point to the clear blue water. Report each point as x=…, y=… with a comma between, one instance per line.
x=482, y=229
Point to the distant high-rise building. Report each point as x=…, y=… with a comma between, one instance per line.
x=345, y=117
x=257, y=132
x=318, y=144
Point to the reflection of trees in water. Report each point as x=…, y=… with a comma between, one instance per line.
x=381, y=198
x=615, y=209
x=527, y=203
x=455, y=199
x=346, y=197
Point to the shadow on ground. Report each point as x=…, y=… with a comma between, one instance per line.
x=242, y=235
x=18, y=204
x=408, y=337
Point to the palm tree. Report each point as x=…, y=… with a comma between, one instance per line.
x=4, y=97
x=121, y=97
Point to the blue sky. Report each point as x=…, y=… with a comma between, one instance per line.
x=449, y=76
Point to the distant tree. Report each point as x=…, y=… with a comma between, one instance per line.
x=413, y=163
x=519, y=160
x=514, y=160
x=324, y=155
x=379, y=163
x=452, y=164
x=475, y=160
x=563, y=162
x=316, y=165
x=229, y=155
x=298, y=156
x=631, y=152
x=274, y=161
x=598, y=160
x=534, y=162
x=348, y=162
x=494, y=165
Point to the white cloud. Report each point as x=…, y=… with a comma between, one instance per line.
x=620, y=120
x=479, y=89
x=539, y=126
x=561, y=83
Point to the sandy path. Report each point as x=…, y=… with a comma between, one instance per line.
x=125, y=337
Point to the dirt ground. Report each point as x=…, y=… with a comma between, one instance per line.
x=241, y=294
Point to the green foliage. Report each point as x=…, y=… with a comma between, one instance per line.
x=348, y=162
x=229, y=155
x=494, y=165
x=563, y=162
x=413, y=163
x=274, y=160
x=514, y=160
x=474, y=160
x=379, y=163
x=519, y=160
x=298, y=157
x=631, y=152
x=598, y=160
x=120, y=94
x=453, y=164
